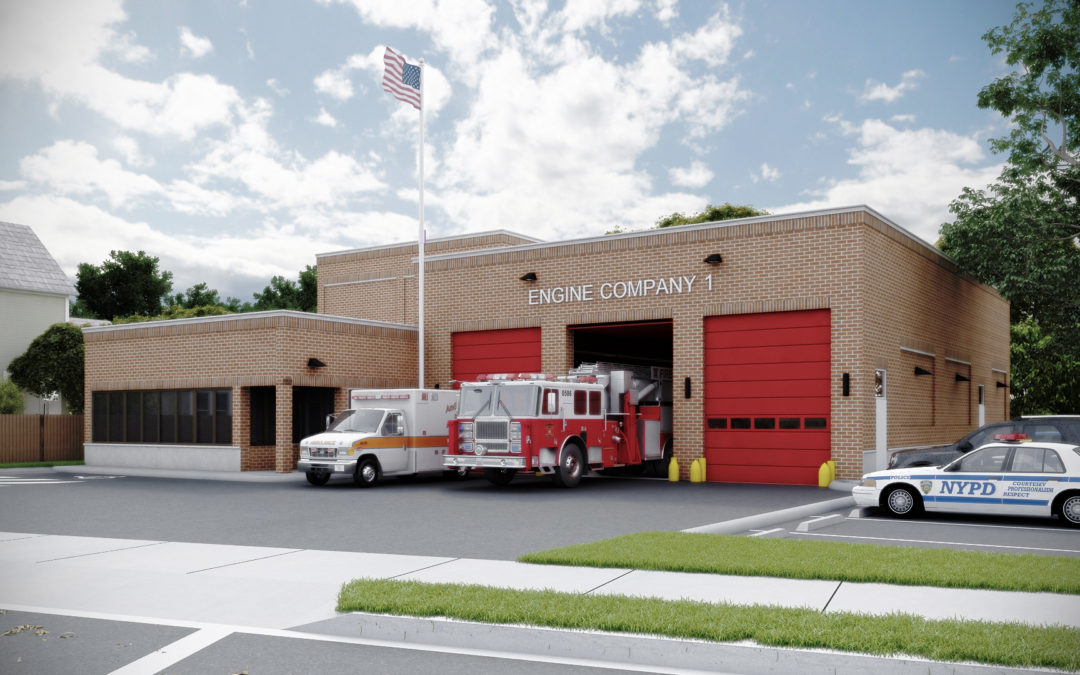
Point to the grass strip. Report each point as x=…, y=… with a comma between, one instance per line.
x=31, y=465
x=836, y=561
x=1005, y=644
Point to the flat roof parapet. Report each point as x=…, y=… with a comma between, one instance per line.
x=222, y=323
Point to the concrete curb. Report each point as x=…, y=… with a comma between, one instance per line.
x=614, y=649
x=237, y=476
x=763, y=520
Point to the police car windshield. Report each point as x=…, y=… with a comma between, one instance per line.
x=518, y=400
x=364, y=421
x=474, y=401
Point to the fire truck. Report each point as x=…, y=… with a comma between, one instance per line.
x=600, y=416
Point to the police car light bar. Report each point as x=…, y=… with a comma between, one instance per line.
x=1010, y=438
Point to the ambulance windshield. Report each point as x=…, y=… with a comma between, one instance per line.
x=363, y=421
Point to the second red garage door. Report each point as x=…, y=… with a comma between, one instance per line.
x=767, y=397
x=515, y=350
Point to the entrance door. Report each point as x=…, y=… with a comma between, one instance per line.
x=767, y=398
x=515, y=350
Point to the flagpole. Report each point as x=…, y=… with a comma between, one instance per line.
x=422, y=237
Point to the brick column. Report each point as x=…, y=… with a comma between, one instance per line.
x=687, y=432
x=283, y=455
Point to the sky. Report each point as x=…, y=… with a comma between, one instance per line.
x=237, y=139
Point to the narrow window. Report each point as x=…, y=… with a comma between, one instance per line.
x=790, y=423
x=168, y=417
x=100, y=403
x=764, y=422
x=204, y=416
x=116, y=417
x=151, y=416
x=740, y=422
x=185, y=417
x=594, y=403
x=816, y=423
x=580, y=403
x=223, y=417
x=717, y=423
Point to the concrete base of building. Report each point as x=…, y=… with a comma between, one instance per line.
x=168, y=457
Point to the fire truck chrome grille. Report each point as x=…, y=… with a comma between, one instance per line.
x=497, y=446
x=500, y=430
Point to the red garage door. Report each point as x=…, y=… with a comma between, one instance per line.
x=515, y=350
x=767, y=397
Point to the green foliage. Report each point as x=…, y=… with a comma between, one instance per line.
x=1042, y=94
x=726, y=211
x=53, y=363
x=11, y=399
x=125, y=284
x=836, y=561
x=1045, y=370
x=285, y=294
x=178, y=312
x=939, y=640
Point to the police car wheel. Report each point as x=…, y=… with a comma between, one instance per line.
x=901, y=502
x=367, y=472
x=1070, y=510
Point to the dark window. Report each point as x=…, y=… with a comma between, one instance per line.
x=816, y=423
x=790, y=423
x=764, y=422
x=168, y=417
x=116, y=417
x=263, y=416
x=580, y=404
x=204, y=416
x=740, y=422
x=100, y=403
x=151, y=416
x=133, y=417
x=717, y=423
x=594, y=403
x=223, y=417
x=185, y=417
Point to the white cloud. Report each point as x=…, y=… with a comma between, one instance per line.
x=765, y=173
x=192, y=45
x=910, y=174
x=879, y=91
x=277, y=87
x=72, y=167
x=902, y=119
x=8, y=185
x=666, y=10
x=712, y=43
x=326, y=119
x=584, y=14
x=337, y=82
x=128, y=148
x=694, y=176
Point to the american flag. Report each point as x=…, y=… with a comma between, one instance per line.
x=401, y=79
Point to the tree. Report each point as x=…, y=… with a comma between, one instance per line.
x=727, y=211
x=125, y=284
x=53, y=363
x=11, y=399
x=285, y=294
x=1020, y=234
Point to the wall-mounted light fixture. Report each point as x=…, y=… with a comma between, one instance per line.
x=686, y=388
x=528, y=276
x=922, y=371
x=315, y=363
x=961, y=378
x=714, y=259
x=847, y=384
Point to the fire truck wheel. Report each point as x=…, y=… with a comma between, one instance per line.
x=659, y=467
x=318, y=477
x=460, y=473
x=499, y=476
x=367, y=472
x=571, y=467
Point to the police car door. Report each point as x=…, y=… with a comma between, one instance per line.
x=972, y=483
x=1035, y=476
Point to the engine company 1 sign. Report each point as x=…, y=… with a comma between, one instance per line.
x=620, y=290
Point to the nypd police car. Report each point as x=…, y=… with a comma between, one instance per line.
x=1009, y=477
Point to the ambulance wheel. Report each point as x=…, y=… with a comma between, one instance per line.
x=499, y=477
x=571, y=467
x=367, y=472
x=1070, y=509
x=901, y=502
x=318, y=477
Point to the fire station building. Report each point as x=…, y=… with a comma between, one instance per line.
x=791, y=340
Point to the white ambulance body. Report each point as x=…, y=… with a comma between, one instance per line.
x=385, y=432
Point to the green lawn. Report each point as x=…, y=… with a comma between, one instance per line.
x=30, y=465
x=798, y=559
x=983, y=642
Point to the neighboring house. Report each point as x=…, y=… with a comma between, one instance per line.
x=34, y=295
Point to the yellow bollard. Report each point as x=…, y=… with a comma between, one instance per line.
x=673, y=470
x=823, y=477
x=697, y=470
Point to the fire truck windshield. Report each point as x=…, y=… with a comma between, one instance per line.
x=475, y=401
x=518, y=400
x=364, y=421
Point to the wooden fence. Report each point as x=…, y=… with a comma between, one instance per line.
x=40, y=438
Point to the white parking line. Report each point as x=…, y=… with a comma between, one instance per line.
x=920, y=523
x=174, y=652
x=934, y=541
x=765, y=532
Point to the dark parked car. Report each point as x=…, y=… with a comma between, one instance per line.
x=1041, y=428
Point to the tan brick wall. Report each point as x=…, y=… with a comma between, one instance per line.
x=241, y=351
